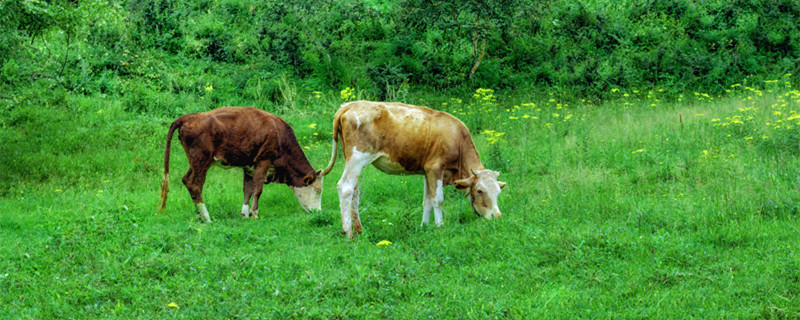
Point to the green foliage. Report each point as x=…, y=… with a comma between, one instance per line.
x=380, y=46
x=23, y=20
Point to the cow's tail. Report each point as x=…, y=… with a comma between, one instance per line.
x=337, y=132
x=165, y=181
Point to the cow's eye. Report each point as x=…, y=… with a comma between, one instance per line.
x=316, y=190
x=479, y=191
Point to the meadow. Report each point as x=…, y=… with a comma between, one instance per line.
x=646, y=205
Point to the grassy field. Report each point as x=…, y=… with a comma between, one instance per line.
x=642, y=207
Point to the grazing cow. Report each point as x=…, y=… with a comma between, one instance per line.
x=260, y=143
x=404, y=139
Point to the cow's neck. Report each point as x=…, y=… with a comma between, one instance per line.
x=469, y=160
x=472, y=162
x=294, y=168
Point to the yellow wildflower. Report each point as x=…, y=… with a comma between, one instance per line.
x=347, y=94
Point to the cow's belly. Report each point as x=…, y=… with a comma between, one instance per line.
x=222, y=164
x=390, y=167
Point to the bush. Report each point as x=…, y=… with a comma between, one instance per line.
x=379, y=45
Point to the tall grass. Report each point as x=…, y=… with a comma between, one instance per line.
x=633, y=208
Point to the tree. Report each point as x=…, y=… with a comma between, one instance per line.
x=465, y=25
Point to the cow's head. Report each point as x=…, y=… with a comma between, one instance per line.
x=310, y=196
x=483, y=189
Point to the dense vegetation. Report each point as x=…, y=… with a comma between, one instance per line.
x=385, y=46
x=651, y=150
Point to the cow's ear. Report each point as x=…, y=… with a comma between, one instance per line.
x=463, y=184
x=308, y=179
x=501, y=184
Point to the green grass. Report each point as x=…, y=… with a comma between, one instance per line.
x=634, y=208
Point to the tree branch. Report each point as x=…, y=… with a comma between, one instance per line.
x=480, y=58
x=69, y=33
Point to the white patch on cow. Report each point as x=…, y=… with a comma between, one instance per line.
x=426, y=204
x=487, y=183
x=358, y=121
x=245, y=211
x=347, y=220
x=310, y=196
x=347, y=184
x=202, y=212
x=480, y=185
x=439, y=191
x=361, y=160
x=437, y=203
x=405, y=114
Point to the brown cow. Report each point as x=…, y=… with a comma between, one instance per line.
x=404, y=139
x=260, y=143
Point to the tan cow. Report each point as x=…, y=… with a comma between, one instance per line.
x=401, y=139
x=260, y=143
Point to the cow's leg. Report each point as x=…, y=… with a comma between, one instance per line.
x=347, y=187
x=248, y=193
x=434, y=190
x=259, y=176
x=426, y=204
x=354, y=208
x=194, y=180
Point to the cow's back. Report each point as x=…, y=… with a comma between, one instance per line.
x=233, y=135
